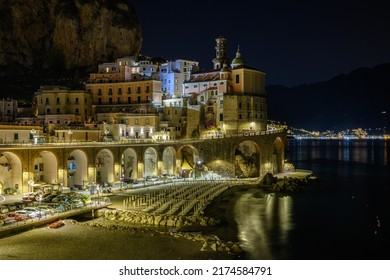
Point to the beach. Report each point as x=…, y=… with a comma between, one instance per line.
x=83, y=241
x=101, y=239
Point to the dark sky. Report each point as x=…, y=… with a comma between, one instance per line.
x=294, y=42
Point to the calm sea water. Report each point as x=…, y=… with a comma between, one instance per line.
x=345, y=216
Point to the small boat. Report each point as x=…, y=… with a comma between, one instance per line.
x=57, y=224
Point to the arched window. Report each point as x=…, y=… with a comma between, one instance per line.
x=237, y=79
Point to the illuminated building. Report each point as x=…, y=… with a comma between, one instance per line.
x=233, y=95
x=61, y=106
x=173, y=74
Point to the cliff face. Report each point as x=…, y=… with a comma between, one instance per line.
x=51, y=35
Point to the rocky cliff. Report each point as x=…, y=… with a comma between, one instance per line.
x=56, y=35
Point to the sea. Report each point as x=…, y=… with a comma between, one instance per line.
x=344, y=216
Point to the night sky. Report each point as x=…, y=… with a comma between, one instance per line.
x=294, y=42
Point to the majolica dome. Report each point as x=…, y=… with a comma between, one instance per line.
x=238, y=60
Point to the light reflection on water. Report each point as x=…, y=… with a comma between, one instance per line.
x=362, y=151
x=262, y=220
x=332, y=220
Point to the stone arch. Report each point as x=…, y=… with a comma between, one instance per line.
x=247, y=159
x=104, y=166
x=77, y=165
x=129, y=164
x=45, y=167
x=150, y=162
x=11, y=176
x=278, y=155
x=188, y=156
x=169, y=161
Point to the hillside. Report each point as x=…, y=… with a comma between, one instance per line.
x=357, y=99
x=46, y=41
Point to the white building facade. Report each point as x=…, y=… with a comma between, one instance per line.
x=173, y=74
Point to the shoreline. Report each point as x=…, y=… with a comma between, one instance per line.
x=82, y=241
x=103, y=239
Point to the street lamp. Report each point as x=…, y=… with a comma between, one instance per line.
x=164, y=135
x=30, y=185
x=70, y=132
x=198, y=168
x=98, y=193
x=33, y=133
x=84, y=181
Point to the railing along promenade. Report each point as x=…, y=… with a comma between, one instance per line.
x=45, y=219
x=138, y=140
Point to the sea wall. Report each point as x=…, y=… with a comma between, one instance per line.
x=124, y=219
x=151, y=219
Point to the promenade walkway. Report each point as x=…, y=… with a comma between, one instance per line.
x=49, y=218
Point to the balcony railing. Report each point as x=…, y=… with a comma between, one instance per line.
x=139, y=140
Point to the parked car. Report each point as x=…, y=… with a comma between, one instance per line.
x=48, y=210
x=49, y=198
x=7, y=219
x=61, y=197
x=18, y=217
x=12, y=207
x=130, y=181
x=62, y=207
x=4, y=209
x=34, y=212
x=77, y=203
x=21, y=215
x=30, y=196
x=151, y=178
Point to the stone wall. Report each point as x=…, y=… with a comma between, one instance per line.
x=151, y=219
x=125, y=219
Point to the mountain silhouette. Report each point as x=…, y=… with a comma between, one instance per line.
x=358, y=99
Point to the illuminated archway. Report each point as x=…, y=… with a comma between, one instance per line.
x=11, y=175
x=129, y=164
x=77, y=169
x=278, y=155
x=45, y=168
x=169, y=161
x=150, y=161
x=188, y=157
x=247, y=160
x=104, y=167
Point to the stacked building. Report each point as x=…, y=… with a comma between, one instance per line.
x=133, y=98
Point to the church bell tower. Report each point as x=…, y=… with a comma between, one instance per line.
x=221, y=53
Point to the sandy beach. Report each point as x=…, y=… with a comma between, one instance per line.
x=99, y=240
x=80, y=241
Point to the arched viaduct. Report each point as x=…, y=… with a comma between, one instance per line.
x=78, y=164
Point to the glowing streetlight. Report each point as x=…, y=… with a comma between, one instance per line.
x=30, y=185
x=34, y=133
x=70, y=132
